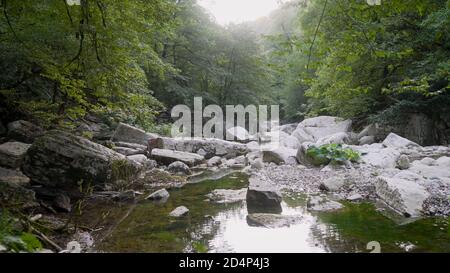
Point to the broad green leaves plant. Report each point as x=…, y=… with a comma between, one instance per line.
x=331, y=153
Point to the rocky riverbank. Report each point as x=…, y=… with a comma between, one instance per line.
x=50, y=178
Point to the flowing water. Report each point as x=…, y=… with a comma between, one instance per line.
x=210, y=227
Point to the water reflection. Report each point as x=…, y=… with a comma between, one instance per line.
x=222, y=228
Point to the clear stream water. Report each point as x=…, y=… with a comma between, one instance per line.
x=210, y=227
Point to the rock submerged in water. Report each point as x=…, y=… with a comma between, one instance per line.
x=272, y=220
x=322, y=204
x=227, y=196
x=179, y=212
x=62, y=160
x=262, y=197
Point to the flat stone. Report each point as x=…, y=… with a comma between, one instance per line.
x=227, y=196
x=403, y=196
x=127, y=151
x=396, y=141
x=170, y=156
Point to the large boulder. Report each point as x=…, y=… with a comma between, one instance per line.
x=262, y=197
x=323, y=126
x=378, y=156
x=24, y=131
x=403, y=196
x=338, y=138
x=289, y=128
x=238, y=134
x=61, y=160
x=280, y=155
x=302, y=136
x=167, y=157
x=212, y=147
x=396, y=141
x=12, y=154
x=130, y=134
x=288, y=141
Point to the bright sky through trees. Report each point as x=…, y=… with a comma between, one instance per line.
x=238, y=11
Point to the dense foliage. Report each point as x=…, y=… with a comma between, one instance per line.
x=331, y=153
x=124, y=60
x=356, y=60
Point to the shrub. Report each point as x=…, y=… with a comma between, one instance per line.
x=333, y=153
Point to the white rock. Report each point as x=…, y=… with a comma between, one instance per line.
x=403, y=162
x=367, y=140
x=238, y=133
x=338, y=138
x=302, y=136
x=404, y=196
x=179, y=212
x=396, y=141
x=159, y=195
x=443, y=162
x=355, y=198
x=257, y=164
x=323, y=126
x=333, y=183
x=381, y=158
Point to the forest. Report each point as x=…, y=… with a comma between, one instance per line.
x=133, y=60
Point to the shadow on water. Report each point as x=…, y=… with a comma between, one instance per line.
x=212, y=227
